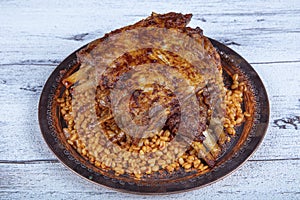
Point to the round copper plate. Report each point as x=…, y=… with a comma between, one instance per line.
x=248, y=137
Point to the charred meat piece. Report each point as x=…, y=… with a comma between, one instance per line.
x=196, y=61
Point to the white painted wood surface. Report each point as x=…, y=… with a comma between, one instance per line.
x=36, y=35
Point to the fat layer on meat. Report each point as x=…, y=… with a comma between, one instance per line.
x=160, y=39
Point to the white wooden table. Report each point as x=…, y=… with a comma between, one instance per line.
x=36, y=35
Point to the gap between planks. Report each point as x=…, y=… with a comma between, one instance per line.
x=57, y=161
x=29, y=161
x=56, y=62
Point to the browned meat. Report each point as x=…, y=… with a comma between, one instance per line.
x=191, y=57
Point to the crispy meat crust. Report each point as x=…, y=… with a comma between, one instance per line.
x=139, y=108
x=169, y=21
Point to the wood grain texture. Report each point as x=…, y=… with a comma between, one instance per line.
x=36, y=36
x=49, y=31
x=20, y=99
x=54, y=181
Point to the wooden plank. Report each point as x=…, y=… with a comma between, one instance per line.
x=35, y=37
x=282, y=83
x=259, y=30
x=255, y=180
x=21, y=91
x=19, y=125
